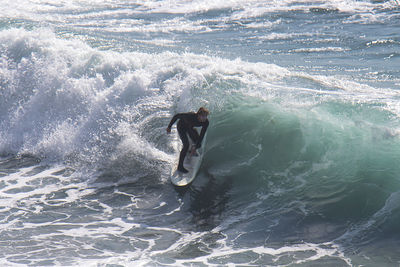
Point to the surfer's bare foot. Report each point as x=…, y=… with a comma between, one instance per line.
x=181, y=169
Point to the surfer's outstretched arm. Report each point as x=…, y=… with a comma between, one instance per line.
x=173, y=120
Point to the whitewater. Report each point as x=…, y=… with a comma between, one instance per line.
x=301, y=163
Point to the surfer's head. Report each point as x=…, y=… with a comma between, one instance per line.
x=202, y=114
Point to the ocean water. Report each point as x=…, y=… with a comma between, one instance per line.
x=301, y=164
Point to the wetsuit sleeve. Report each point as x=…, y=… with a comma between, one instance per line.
x=174, y=119
x=202, y=134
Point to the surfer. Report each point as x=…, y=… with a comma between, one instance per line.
x=187, y=122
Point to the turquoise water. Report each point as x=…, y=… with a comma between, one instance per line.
x=301, y=159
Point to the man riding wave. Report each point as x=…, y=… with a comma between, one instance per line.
x=187, y=122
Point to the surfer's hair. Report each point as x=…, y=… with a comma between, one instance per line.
x=203, y=111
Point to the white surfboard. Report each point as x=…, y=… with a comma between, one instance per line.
x=192, y=164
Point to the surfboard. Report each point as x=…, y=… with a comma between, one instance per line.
x=192, y=164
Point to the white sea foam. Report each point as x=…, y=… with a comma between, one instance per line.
x=119, y=16
x=62, y=96
x=22, y=186
x=320, y=49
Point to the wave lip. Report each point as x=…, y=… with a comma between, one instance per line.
x=60, y=95
x=320, y=49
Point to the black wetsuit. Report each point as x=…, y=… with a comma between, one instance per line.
x=186, y=124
